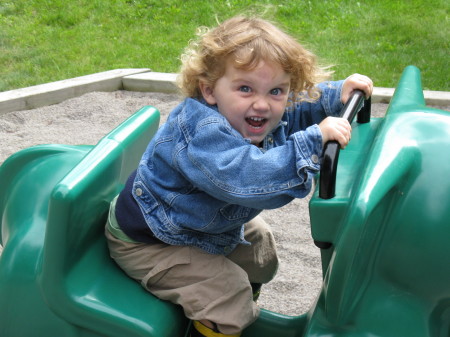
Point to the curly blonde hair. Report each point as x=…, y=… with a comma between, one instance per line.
x=248, y=41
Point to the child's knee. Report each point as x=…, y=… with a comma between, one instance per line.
x=260, y=259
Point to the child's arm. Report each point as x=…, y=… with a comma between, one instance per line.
x=339, y=129
x=334, y=95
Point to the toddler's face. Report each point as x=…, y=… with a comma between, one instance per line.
x=252, y=101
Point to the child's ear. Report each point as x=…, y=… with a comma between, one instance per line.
x=207, y=93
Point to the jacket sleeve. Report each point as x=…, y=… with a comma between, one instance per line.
x=231, y=169
x=304, y=113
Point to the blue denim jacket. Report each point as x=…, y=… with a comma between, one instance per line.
x=199, y=180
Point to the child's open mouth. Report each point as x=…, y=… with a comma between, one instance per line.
x=256, y=122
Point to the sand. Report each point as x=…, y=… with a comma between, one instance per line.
x=86, y=119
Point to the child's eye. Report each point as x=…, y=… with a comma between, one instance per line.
x=276, y=91
x=245, y=88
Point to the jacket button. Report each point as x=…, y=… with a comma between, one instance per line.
x=138, y=192
x=315, y=158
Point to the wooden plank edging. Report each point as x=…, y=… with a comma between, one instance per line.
x=141, y=79
x=56, y=92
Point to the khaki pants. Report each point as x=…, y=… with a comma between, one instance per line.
x=212, y=287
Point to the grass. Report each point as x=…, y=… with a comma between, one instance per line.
x=48, y=40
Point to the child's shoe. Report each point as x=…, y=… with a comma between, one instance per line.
x=200, y=330
x=256, y=290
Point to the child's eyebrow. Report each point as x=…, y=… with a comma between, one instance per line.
x=284, y=84
x=240, y=79
x=245, y=81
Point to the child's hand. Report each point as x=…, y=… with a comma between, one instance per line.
x=336, y=128
x=356, y=82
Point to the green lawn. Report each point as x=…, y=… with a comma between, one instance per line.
x=48, y=40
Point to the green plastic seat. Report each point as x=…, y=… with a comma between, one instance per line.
x=56, y=277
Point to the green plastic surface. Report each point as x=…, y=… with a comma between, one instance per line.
x=387, y=273
x=56, y=277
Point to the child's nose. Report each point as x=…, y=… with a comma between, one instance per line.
x=260, y=104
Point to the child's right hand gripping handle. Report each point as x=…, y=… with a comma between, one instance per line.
x=327, y=182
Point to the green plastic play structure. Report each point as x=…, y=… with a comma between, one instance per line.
x=384, y=236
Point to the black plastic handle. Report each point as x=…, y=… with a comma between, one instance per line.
x=327, y=182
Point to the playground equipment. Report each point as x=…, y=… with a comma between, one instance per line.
x=383, y=230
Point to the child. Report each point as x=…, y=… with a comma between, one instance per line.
x=248, y=137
